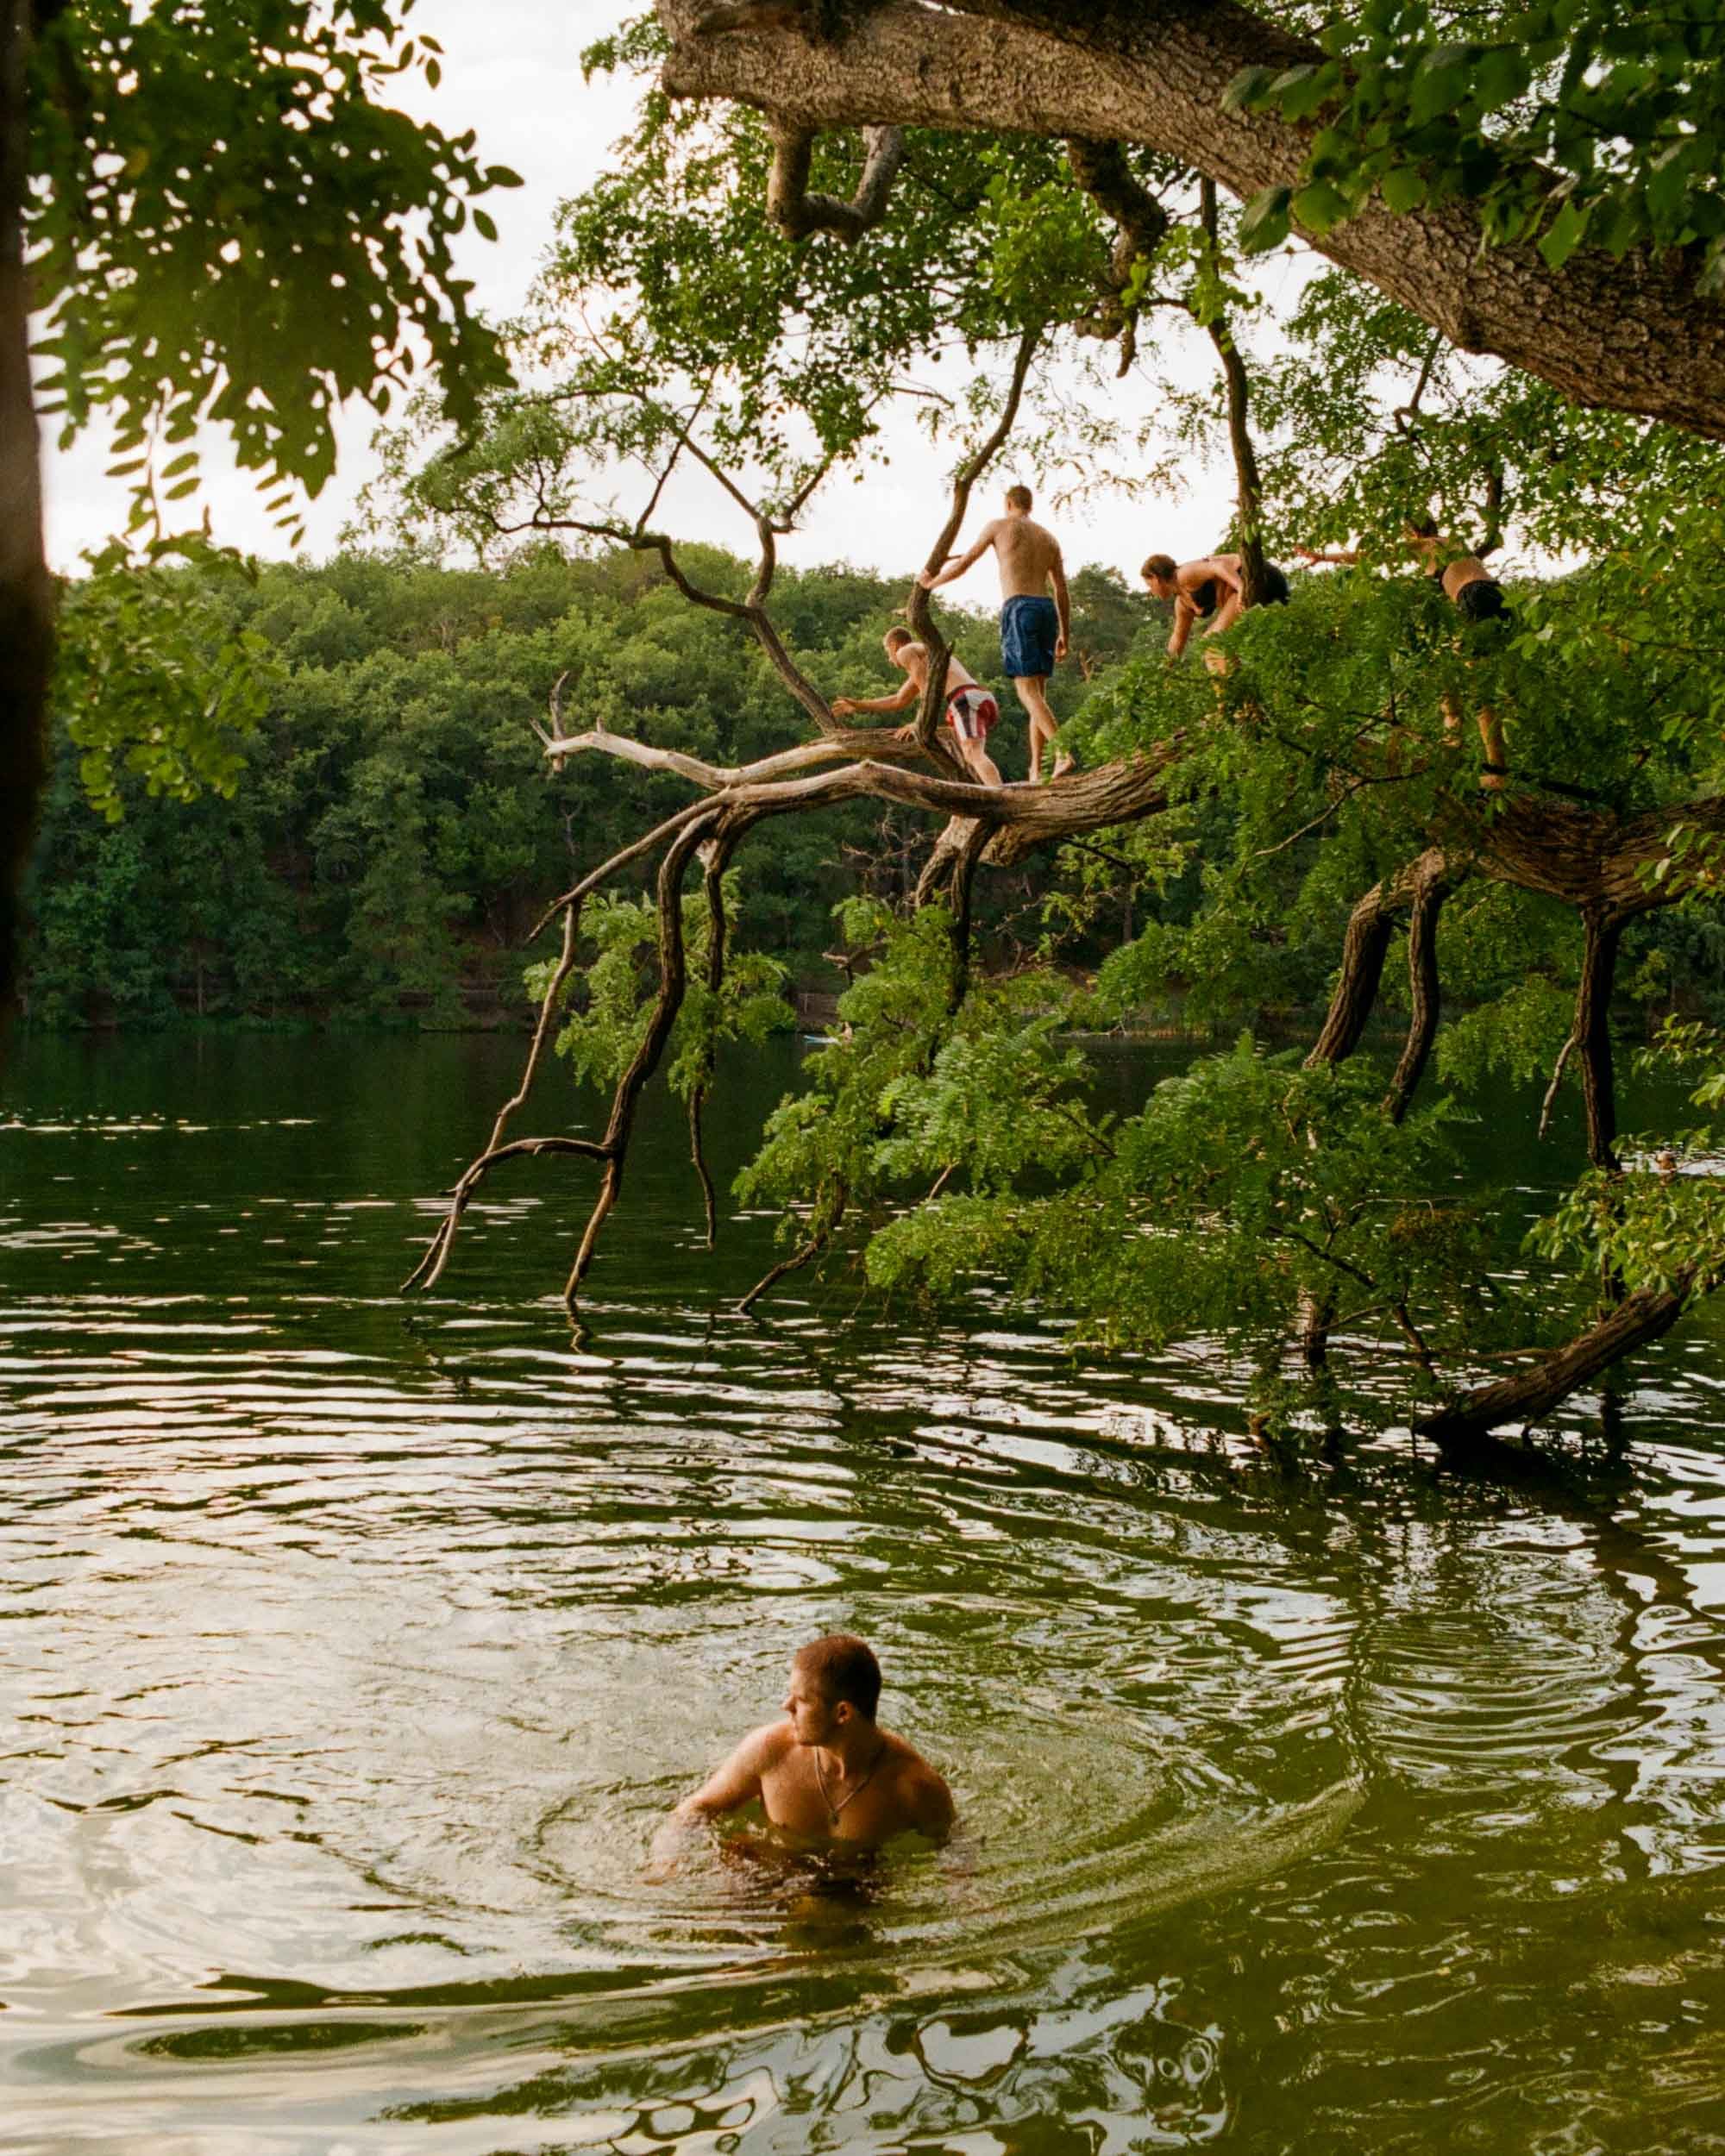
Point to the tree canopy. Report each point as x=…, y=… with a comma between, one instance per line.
x=216, y=218
x=986, y=216
x=761, y=277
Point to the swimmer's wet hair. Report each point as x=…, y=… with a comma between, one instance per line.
x=895, y=637
x=1163, y=567
x=845, y=1668
x=1019, y=497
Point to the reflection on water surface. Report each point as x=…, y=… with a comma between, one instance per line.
x=351, y=1653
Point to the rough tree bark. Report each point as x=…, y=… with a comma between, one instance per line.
x=1632, y=335
x=25, y=589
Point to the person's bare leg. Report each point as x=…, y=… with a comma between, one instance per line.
x=1217, y=662
x=1044, y=727
x=982, y=765
x=1497, y=756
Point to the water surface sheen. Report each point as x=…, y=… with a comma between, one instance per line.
x=351, y=1650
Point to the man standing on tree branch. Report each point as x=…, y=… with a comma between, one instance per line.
x=1032, y=626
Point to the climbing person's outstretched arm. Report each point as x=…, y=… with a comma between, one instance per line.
x=848, y=707
x=929, y=578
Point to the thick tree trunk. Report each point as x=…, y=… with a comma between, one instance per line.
x=1635, y=336
x=26, y=589
x=1592, y=1035
x=1430, y=891
x=1364, y=947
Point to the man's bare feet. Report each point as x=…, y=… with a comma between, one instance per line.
x=1061, y=766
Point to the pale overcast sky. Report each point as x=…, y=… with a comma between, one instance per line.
x=512, y=71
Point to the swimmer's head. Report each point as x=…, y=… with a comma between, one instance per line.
x=895, y=640
x=834, y=1681
x=1019, y=498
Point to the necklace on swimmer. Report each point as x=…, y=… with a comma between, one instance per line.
x=832, y=1809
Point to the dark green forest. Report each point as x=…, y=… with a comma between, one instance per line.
x=391, y=834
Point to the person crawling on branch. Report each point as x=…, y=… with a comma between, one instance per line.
x=1212, y=591
x=971, y=710
x=1477, y=596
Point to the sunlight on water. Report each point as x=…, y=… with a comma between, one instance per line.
x=352, y=1651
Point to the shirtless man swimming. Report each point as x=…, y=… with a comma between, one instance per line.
x=828, y=1773
x=971, y=709
x=1032, y=626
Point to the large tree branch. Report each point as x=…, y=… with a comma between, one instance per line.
x=1635, y=1322
x=1630, y=335
x=798, y=213
x=1140, y=221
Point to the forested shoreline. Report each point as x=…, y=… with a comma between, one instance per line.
x=393, y=834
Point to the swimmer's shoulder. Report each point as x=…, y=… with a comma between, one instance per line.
x=921, y=1788
x=768, y=1746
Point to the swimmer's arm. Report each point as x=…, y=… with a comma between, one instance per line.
x=727, y=1789
x=1185, y=613
x=1062, y=603
x=932, y=1807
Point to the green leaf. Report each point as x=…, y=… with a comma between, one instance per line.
x=1264, y=222
x=1564, y=235
x=1247, y=87
x=1404, y=189
x=1321, y=207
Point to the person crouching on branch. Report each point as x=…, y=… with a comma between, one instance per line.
x=1211, y=590
x=971, y=710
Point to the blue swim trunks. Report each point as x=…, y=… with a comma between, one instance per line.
x=1028, y=630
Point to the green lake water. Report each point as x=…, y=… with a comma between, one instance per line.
x=352, y=1649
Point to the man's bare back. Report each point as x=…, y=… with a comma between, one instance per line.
x=827, y=1772
x=1027, y=556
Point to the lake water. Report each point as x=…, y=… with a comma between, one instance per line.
x=351, y=1650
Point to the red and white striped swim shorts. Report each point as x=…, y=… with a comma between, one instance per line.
x=971, y=712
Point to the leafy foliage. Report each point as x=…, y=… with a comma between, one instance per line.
x=395, y=832
x=1576, y=121
x=601, y=1040
x=228, y=225
x=153, y=676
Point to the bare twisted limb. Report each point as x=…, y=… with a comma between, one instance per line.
x=918, y=613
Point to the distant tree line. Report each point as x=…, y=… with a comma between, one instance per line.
x=392, y=832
